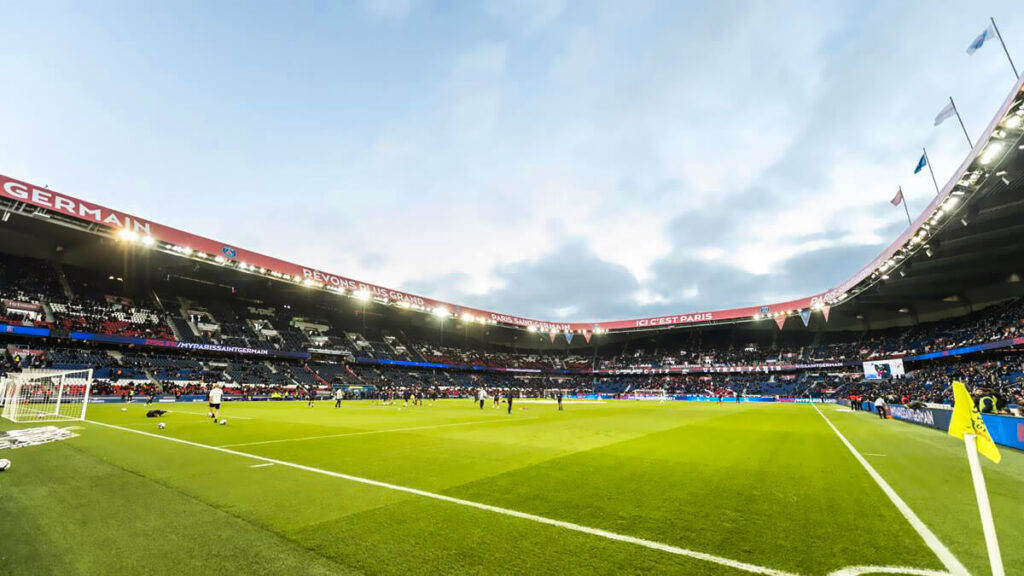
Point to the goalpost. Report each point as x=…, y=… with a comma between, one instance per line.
x=45, y=395
x=653, y=394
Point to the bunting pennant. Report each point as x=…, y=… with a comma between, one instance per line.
x=568, y=337
x=780, y=320
x=805, y=315
x=586, y=335
x=824, y=312
x=552, y=334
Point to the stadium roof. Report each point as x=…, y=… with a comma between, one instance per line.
x=957, y=253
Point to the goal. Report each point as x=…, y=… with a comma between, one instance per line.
x=45, y=395
x=653, y=394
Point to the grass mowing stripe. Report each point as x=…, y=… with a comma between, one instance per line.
x=743, y=566
x=207, y=415
x=945, y=556
x=365, y=432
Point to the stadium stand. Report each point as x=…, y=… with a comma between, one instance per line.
x=78, y=300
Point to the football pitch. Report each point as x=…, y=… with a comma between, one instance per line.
x=620, y=487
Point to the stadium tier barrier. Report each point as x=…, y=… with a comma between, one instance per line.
x=141, y=399
x=1005, y=430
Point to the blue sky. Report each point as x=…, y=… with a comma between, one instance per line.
x=563, y=160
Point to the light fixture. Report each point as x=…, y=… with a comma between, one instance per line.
x=994, y=148
x=128, y=235
x=148, y=240
x=903, y=273
x=928, y=251
x=964, y=221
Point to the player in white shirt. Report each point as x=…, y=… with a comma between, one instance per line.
x=215, y=397
x=338, y=395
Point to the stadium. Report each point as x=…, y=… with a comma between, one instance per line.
x=362, y=429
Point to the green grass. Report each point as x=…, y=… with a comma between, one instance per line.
x=765, y=484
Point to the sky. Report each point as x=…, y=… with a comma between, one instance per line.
x=561, y=160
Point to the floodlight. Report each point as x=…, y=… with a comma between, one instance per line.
x=994, y=148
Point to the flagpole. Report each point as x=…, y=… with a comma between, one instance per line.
x=928, y=161
x=903, y=197
x=969, y=143
x=988, y=526
x=996, y=28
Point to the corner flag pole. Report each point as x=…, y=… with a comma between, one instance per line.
x=964, y=128
x=928, y=161
x=1000, y=35
x=995, y=558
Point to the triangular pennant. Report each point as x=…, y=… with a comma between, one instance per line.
x=805, y=315
x=586, y=335
x=824, y=312
x=780, y=320
x=568, y=337
x=552, y=335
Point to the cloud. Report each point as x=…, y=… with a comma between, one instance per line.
x=541, y=158
x=392, y=9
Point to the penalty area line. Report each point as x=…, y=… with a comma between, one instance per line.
x=743, y=566
x=947, y=558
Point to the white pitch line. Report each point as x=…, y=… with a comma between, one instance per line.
x=367, y=432
x=870, y=454
x=207, y=415
x=945, y=556
x=262, y=465
x=752, y=568
x=858, y=570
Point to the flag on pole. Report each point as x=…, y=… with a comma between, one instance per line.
x=948, y=111
x=921, y=163
x=967, y=420
x=985, y=35
x=805, y=315
x=898, y=198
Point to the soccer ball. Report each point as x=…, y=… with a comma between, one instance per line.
x=209, y=414
x=4, y=464
x=123, y=409
x=40, y=415
x=161, y=425
x=223, y=422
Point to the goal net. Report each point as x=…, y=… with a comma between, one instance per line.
x=653, y=394
x=45, y=395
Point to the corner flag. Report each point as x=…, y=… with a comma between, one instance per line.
x=967, y=424
x=967, y=420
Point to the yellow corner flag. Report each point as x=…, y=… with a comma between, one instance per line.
x=967, y=420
